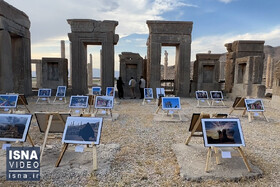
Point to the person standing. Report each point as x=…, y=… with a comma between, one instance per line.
x=142, y=84
x=120, y=87
x=131, y=85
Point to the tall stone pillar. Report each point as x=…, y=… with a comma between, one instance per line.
x=154, y=65
x=62, y=46
x=165, y=64
x=269, y=73
x=89, y=68
x=6, y=68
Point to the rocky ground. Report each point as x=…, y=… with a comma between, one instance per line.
x=139, y=149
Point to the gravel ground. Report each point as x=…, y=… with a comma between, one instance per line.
x=145, y=156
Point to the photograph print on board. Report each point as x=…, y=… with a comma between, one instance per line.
x=44, y=92
x=82, y=130
x=61, y=91
x=110, y=91
x=96, y=90
x=104, y=102
x=78, y=101
x=216, y=95
x=254, y=105
x=222, y=132
x=201, y=95
x=14, y=127
x=160, y=92
x=148, y=93
x=171, y=103
x=8, y=101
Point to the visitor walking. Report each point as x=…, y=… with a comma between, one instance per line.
x=142, y=84
x=120, y=87
x=131, y=85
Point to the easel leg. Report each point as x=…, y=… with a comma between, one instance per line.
x=231, y=111
x=249, y=117
x=30, y=140
x=46, y=136
x=24, y=104
x=217, y=155
x=94, y=157
x=208, y=102
x=265, y=117
x=244, y=159
x=37, y=100
x=223, y=103
x=65, y=145
x=157, y=109
x=208, y=159
x=244, y=112
x=143, y=103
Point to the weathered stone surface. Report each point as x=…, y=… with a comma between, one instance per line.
x=54, y=72
x=206, y=72
x=276, y=86
x=131, y=65
x=15, y=54
x=169, y=33
x=91, y=32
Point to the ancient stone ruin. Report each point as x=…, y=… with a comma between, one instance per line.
x=276, y=86
x=131, y=65
x=244, y=68
x=15, y=54
x=206, y=72
x=170, y=33
x=91, y=32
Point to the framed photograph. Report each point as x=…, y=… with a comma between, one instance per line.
x=78, y=102
x=61, y=91
x=160, y=92
x=195, y=118
x=104, y=102
x=254, y=105
x=171, y=103
x=82, y=130
x=57, y=126
x=96, y=90
x=216, y=95
x=222, y=132
x=45, y=92
x=8, y=101
x=148, y=93
x=110, y=91
x=239, y=102
x=201, y=95
x=14, y=127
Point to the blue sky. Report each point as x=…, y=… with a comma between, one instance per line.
x=215, y=22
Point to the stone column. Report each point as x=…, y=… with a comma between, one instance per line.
x=154, y=70
x=70, y=68
x=6, y=68
x=89, y=68
x=165, y=64
x=269, y=72
x=182, y=74
x=107, y=70
x=62, y=48
x=79, y=66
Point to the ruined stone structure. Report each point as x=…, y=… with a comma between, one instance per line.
x=244, y=68
x=91, y=32
x=276, y=86
x=89, y=68
x=206, y=72
x=62, y=45
x=170, y=33
x=15, y=54
x=131, y=65
x=54, y=72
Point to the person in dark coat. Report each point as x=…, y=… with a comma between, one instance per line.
x=120, y=87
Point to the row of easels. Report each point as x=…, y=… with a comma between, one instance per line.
x=196, y=131
x=206, y=103
x=57, y=100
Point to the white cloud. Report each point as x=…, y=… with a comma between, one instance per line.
x=215, y=43
x=226, y=1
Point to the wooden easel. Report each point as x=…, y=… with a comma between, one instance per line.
x=217, y=101
x=63, y=99
x=144, y=100
x=28, y=138
x=196, y=127
x=239, y=104
x=94, y=155
x=217, y=154
x=106, y=109
x=81, y=111
x=91, y=101
x=50, y=118
x=159, y=102
x=252, y=113
x=22, y=101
